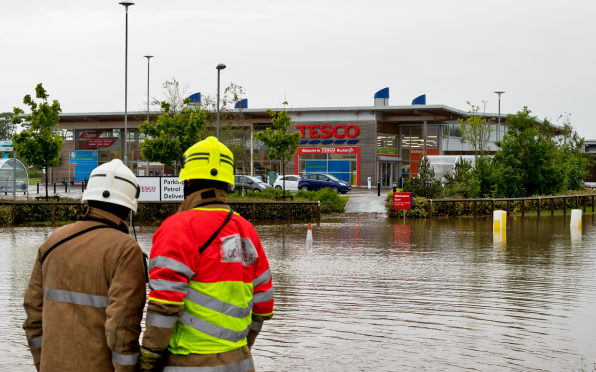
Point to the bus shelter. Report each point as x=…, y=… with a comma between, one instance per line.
x=7, y=176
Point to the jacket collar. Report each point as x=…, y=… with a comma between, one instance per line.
x=206, y=198
x=99, y=215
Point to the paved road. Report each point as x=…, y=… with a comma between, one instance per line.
x=367, y=204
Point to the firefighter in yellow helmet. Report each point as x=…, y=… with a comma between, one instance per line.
x=210, y=282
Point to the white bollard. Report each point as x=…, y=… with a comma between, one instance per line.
x=309, y=234
x=499, y=221
x=576, y=218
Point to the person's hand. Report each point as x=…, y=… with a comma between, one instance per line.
x=149, y=360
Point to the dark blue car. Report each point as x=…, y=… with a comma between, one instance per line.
x=317, y=181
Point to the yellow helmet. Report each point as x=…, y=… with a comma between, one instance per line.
x=208, y=160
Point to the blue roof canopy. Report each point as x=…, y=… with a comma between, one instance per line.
x=420, y=100
x=383, y=93
x=195, y=97
x=242, y=104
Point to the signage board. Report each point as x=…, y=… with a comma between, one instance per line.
x=171, y=189
x=387, y=151
x=4, y=148
x=327, y=150
x=5, y=156
x=402, y=200
x=150, y=188
x=73, y=157
x=160, y=189
x=326, y=131
x=6, y=143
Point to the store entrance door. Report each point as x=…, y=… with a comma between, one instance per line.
x=388, y=173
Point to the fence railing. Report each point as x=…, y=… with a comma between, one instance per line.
x=540, y=199
x=143, y=203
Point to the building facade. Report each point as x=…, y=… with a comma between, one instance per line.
x=383, y=143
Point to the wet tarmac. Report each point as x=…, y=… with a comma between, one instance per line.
x=381, y=295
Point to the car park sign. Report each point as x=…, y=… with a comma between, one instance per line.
x=6, y=146
x=402, y=200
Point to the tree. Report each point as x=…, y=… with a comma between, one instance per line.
x=476, y=129
x=237, y=140
x=6, y=127
x=527, y=163
x=39, y=145
x=282, y=144
x=170, y=137
x=426, y=185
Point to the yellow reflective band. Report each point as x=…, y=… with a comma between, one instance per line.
x=262, y=314
x=165, y=301
x=213, y=209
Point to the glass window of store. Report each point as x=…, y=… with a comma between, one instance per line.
x=342, y=166
x=412, y=140
x=107, y=145
x=387, y=144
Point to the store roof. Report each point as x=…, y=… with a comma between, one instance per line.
x=390, y=113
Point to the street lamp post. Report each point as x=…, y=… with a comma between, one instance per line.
x=148, y=59
x=126, y=5
x=219, y=67
x=499, y=125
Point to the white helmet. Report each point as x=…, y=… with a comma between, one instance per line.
x=113, y=183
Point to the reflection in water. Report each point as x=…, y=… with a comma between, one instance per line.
x=370, y=294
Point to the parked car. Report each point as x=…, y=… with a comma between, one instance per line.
x=291, y=182
x=317, y=181
x=250, y=183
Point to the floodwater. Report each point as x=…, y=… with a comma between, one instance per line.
x=380, y=295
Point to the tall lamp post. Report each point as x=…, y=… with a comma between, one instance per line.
x=148, y=59
x=219, y=67
x=499, y=125
x=126, y=5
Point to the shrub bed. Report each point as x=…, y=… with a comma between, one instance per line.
x=420, y=206
x=157, y=213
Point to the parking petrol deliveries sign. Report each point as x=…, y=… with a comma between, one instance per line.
x=402, y=200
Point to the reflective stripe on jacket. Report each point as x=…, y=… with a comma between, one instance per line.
x=209, y=298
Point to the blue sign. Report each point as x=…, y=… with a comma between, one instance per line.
x=72, y=155
x=316, y=166
x=86, y=156
x=5, y=155
x=86, y=162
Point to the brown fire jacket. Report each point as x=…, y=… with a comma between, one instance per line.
x=86, y=297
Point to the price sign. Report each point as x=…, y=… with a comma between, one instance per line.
x=402, y=200
x=73, y=158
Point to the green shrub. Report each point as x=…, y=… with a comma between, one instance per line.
x=5, y=215
x=464, y=208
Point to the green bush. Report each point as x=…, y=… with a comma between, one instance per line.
x=5, y=215
x=463, y=208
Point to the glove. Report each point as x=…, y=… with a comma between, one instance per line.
x=150, y=360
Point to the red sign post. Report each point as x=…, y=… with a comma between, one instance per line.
x=402, y=200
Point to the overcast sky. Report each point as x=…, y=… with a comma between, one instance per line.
x=312, y=53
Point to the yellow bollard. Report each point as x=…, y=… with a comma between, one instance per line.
x=499, y=221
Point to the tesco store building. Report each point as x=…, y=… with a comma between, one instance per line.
x=382, y=142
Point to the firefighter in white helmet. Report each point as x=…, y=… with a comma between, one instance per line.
x=86, y=295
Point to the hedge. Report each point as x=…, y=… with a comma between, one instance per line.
x=420, y=206
x=157, y=213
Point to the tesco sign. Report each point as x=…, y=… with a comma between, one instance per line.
x=326, y=131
